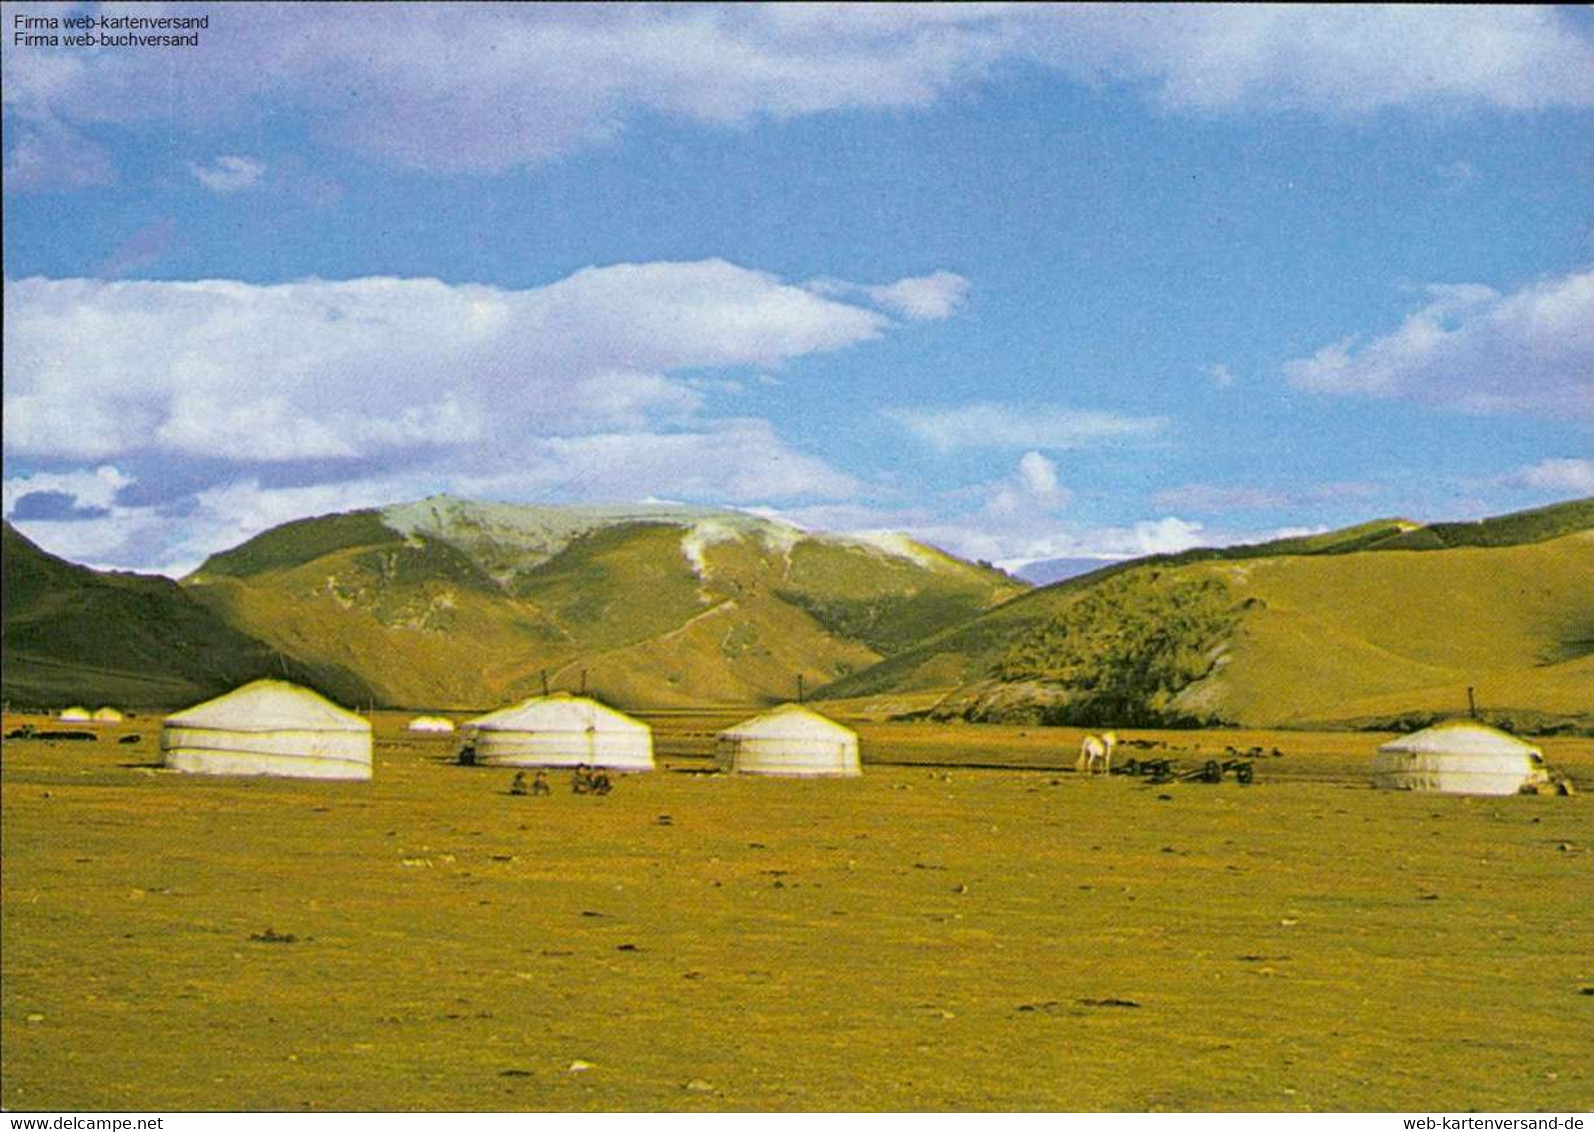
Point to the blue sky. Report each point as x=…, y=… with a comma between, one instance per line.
x=1026, y=282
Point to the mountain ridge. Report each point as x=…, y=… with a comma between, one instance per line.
x=1379, y=622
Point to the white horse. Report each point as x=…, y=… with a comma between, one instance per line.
x=1096, y=749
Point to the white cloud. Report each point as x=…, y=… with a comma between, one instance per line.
x=229, y=174
x=490, y=87
x=926, y=297
x=266, y=401
x=1472, y=347
x=921, y=298
x=993, y=425
x=1038, y=475
x=154, y=539
x=1220, y=375
x=1013, y=546
x=1352, y=59
x=94, y=488
x=316, y=369
x=730, y=460
x=1028, y=497
x=1571, y=475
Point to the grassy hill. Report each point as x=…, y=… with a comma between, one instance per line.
x=72, y=634
x=1384, y=623
x=452, y=603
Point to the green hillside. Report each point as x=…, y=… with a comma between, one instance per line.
x=72, y=634
x=1356, y=627
x=451, y=603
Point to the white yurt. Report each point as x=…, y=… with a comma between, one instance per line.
x=1459, y=757
x=75, y=715
x=561, y=730
x=789, y=740
x=107, y=715
x=268, y=727
x=434, y=724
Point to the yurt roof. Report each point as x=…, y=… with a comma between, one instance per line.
x=558, y=711
x=1461, y=737
x=270, y=705
x=789, y=721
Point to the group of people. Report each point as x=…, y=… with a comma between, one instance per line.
x=590, y=780
x=583, y=780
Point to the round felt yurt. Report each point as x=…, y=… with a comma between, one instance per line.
x=75, y=714
x=561, y=730
x=268, y=727
x=432, y=724
x=1459, y=757
x=789, y=740
x=107, y=715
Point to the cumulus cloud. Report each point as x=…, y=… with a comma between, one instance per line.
x=88, y=489
x=921, y=298
x=357, y=368
x=1030, y=494
x=229, y=173
x=1336, y=60
x=731, y=460
x=489, y=87
x=996, y=425
x=174, y=541
x=1570, y=475
x=1012, y=547
x=214, y=408
x=1529, y=351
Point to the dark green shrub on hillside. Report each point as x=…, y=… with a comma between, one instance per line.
x=1126, y=648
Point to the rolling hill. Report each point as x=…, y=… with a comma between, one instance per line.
x=72, y=634
x=453, y=603
x=1389, y=622
x=449, y=603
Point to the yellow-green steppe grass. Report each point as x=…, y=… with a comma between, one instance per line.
x=926, y=937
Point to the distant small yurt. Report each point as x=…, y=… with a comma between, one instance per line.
x=561, y=730
x=268, y=727
x=76, y=715
x=107, y=715
x=1459, y=757
x=789, y=740
x=435, y=724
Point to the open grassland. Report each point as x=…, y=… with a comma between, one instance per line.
x=926, y=937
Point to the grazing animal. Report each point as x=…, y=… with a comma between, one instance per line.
x=1096, y=749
